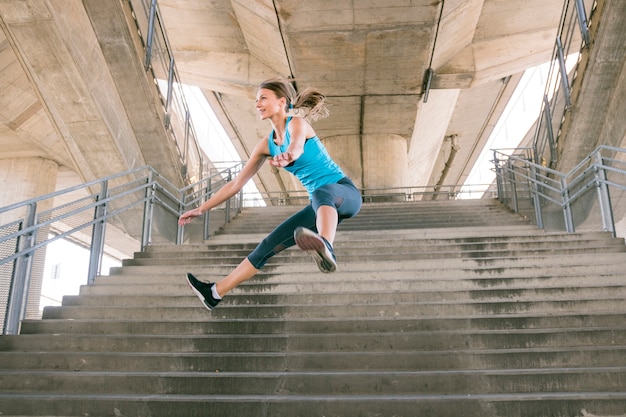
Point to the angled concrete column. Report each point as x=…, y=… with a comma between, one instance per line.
x=22, y=179
x=25, y=178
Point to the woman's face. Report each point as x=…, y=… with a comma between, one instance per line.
x=268, y=104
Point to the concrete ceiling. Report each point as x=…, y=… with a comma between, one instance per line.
x=368, y=56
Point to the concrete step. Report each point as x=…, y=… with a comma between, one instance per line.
x=390, y=217
x=564, y=320
x=341, y=310
x=434, y=247
x=311, y=286
x=467, y=272
x=491, y=319
x=384, y=254
x=340, y=405
x=461, y=236
x=329, y=342
x=435, y=291
x=397, y=360
x=446, y=382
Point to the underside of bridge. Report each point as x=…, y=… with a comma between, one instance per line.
x=76, y=94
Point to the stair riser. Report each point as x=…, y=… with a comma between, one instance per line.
x=438, y=292
x=528, y=266
x=402, y=406
x=309, y=361
x=539, y=242
x=354, y=383
x=336, y=312
x=383, y=255
x=254, y=326
x=367, y=342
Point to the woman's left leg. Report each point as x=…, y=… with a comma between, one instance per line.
x=332, y=203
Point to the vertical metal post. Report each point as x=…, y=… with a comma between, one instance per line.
x=536, y=199
x=97, y=235
x=207, y=217
x=551, y=140
x=227, y=211
x=604, y=197
x=170, y=88
x=567, y=207
x=150, y=38
x=499, y=179
x=187, y=138
x=514, y=204
x=18, y=293
x=148, y=212
x=180, y=230
x=582, y=22
x=563, y=73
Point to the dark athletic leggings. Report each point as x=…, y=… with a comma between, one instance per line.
x=343, y=195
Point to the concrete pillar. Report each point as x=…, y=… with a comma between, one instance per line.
x=372, y=161
x=25, y=178
x=22, y=179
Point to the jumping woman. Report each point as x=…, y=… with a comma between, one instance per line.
x=294, y=146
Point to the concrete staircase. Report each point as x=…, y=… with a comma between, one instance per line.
x=452, y=309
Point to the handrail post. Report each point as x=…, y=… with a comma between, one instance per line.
x=97, y=235
x=228, y=202
x=18, y=292
x=604, y=197
x=582, y=22
x=563, y=72
x=180, y=230
x=170, y=87
x=567, y=207
x=148, y=212
x=207, y=218
x=150, y=40
x=513, y=186
x=499, y=180
x=536, y=199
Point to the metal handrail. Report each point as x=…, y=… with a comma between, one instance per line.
x=159, y=62
x=572, y=36
x=537, y=191
x=92, y=207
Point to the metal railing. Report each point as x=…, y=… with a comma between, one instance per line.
x=382, y=195
x=118, y=214
x=589, y=197
x=160, y=64
x=138, y=208
x=572, y=38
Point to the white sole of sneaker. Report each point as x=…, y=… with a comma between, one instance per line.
x=310, y=242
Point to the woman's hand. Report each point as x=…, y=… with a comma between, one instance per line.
x=282, y=160
x=188, y=216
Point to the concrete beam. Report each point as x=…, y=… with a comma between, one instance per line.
x=431, y=123
x=506, y=37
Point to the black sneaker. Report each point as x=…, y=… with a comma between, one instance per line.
x=203, y=291
x=317, y=246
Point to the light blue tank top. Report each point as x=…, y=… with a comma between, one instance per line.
x=314, y=168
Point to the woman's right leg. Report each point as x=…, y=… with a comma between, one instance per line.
x=279, y=239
